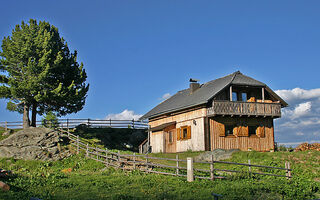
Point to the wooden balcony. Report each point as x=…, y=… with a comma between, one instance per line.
x=236, y=108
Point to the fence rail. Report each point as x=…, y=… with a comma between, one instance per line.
x=244, y=108
x=179, y=167
x=71, y=123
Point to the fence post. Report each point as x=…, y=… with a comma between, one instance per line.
x=88, y=122
x=133, y=123
x=78, y=149
x=289, y=170
x=5, y=125
x=68, y=124
x=147, y=162
x=285, y=166
x=249, y=162
x=107, y=161
x=177, y=170
x=190, y=176
x=134, y=161
x=211, y=168
x=118, y=158
x=87, y=151
x=110, y=122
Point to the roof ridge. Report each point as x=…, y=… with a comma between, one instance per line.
x=234, y=75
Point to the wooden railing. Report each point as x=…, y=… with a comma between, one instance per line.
x=175, y=167
x=71, y=123
x=244, y=108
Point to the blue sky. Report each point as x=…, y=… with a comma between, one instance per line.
x=135, y=51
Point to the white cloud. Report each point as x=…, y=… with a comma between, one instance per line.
x=299, y=110
x=300, y=122
x=299, y=133
x=298, y=94
x=165, y=96
x=124, y=115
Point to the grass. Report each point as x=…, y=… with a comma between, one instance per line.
x=80, y=178
x=91, y=180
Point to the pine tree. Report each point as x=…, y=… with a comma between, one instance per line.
x=39, y=73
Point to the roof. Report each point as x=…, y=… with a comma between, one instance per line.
x=184, y=99
x=162, y=126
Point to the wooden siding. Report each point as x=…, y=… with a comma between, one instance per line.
x=244, y=108
x=219, y=141
x=194, y=118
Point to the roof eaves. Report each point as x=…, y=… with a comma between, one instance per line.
x=172, y=110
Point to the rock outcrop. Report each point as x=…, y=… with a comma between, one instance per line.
x=33, y=144
x=218, y=154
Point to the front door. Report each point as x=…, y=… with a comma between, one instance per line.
x=170, y=139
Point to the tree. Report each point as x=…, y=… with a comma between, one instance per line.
x=39, y=73
x=50, y=120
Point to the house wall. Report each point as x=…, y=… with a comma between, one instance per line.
x=241, y=142
x=157, y=141
x=197, y=141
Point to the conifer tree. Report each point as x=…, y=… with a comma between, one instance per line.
x=38, y=73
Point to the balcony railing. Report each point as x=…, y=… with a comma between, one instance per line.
x=244, y=108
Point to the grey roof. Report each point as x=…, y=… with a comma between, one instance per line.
x=184, y=99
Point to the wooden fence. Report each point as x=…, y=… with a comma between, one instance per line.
x=179, y=167
x=94, y=123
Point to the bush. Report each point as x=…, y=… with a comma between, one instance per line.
x=50, y=120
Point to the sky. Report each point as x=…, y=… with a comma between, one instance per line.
x=139, y=52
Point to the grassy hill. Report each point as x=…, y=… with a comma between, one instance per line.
x=89, y=179
x=79, y=178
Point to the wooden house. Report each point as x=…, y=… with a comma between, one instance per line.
x=232, y=112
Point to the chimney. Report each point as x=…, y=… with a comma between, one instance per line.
x=194, y=85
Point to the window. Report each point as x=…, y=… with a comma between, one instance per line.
x=252, y=130
x=170, y=136
x=229, y=130
x=234, y=96
x=243, y=96
x=184, y=133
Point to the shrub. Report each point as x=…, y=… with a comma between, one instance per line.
x=50, y=120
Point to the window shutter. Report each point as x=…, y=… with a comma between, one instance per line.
x=245, y=131
x=221, y=129
x=262, y=131
x=178, y=133
x=189, y=132
x=236, y=131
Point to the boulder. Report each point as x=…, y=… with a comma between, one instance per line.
x=32, y=144
x=4, y=186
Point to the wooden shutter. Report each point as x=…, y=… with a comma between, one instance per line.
x=189, y=132
x=262, y=129
x=236, y=131
x=178, y=133
x=220, y=129
x=244, y=130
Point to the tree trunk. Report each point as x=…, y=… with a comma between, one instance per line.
x=26, y=121
x=34, y=115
